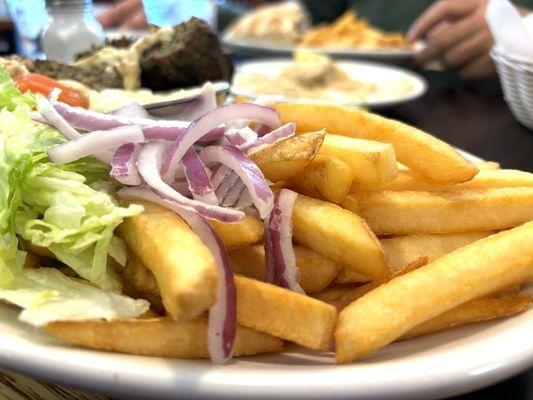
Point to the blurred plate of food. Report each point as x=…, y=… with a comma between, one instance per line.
x=282, y=28
x=316, y=78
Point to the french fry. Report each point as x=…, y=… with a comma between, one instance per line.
x=486, y=179
x=404, y=250
x=245, y=232
x=338, y=235
x=183, y=266
x=139, y=282
x=349, y=297
x=477, y=310
x=333, y=292
x=371, y=162
x=394, y=308
x=160, y=337
x=316, y=272
x=289, y=156
x=401, y=213
x=418, y=150
x=486, y=165
x=325, y=177
x=285, y=314
x=348, y=276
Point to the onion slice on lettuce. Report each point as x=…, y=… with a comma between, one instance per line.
x=87, y=120
x=149, y=162
x=197, y=177
x=94, y=143
x=223, y=314
x=280, y=260
x=124, y=165
x=247, y=170
x=203, y=125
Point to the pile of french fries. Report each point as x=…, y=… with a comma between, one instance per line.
x=396, y=235
x=349, y=31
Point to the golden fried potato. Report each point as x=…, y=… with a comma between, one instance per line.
x=289, y=156
x=372, y=163
x=316, y=272
x=139, y=282
x=159, y=337
x=183, y=266
x=334, y=291
x=394, y=308
x=477, y=310
x=486, y=165
x=285, y=314
x=486, y=179
x=245, y=232
x=325, y=177
x=338, y=235
x=404, y=213
x=404, y=250
x=418, y=150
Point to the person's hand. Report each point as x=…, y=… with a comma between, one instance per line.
x=125, y=14
x=456, y=32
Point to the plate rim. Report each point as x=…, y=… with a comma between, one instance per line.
x=251, y=45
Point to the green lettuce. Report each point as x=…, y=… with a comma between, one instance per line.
x=69, y=209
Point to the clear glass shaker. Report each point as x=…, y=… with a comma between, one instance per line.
x=72, y=29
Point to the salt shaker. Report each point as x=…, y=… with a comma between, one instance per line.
x=72, y=29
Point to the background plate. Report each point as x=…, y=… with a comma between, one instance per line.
x=361, y=70
x=262, y=48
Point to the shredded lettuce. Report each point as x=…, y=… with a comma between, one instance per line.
x=68, y=209
x=47, y=295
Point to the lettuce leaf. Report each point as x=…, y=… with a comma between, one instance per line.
x=69, y=209
x=47, y=295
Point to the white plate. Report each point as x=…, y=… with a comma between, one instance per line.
x=435, y=366
x=367, y=72
x=263, y=47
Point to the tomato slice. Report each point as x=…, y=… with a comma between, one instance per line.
x=37, y=83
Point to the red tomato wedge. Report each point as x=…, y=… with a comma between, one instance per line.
x=37, y=83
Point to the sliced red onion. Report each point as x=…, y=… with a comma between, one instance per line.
x=182, y=186
x=148, y=163
x=207, y=123
x=283, y=132
x=222, y=325
x=233, y=195
x=123, y=165
x=55, y=119
x=134, y=110
x=38, y=117
x=245, y=200
x=280, y=260
x=94, y=143
x=199, y=106
x=247, y=170
x=242, y=138
x=197, y=176
x=214, y=134
x=219, y=174
x=252, y=211
x=88, y=120
x=226, y=186
x=262, y=129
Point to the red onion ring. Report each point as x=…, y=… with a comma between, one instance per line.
x=148, y=163
x=247, y=170
x=280, y=260
x=94, y=142
x=198, y=179
x=123, y=165
x=208, y=122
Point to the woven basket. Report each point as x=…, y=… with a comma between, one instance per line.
x=516, y=78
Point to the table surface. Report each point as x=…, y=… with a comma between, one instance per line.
x=474, y=120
